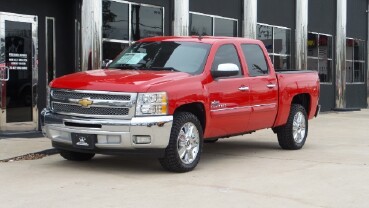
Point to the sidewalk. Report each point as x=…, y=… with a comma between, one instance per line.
x=14, y=147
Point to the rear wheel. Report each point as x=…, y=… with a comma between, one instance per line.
x=292, y=135
x=76, y=156
x=185, y=144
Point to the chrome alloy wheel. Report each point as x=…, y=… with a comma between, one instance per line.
x=299, y=127
x=188, y=143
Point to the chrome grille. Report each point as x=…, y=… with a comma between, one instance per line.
x=100, y=104
x=62, y=95
x=66, y=108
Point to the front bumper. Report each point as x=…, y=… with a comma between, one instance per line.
x=112, y=135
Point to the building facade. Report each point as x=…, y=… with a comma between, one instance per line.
x=44, y=39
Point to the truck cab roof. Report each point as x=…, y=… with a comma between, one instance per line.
x=200, y=39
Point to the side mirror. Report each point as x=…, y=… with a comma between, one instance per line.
x=226, y=70
x=106, y=63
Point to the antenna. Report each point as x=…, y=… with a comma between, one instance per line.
x=200, y=37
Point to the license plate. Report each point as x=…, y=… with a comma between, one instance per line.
x=84, y=141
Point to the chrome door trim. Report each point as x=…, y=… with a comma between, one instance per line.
x=25, y=126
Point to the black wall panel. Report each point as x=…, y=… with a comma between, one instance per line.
x=327, y=98
x=322, y=16
x=357, y=19
x=356, y=96
x=281, y=13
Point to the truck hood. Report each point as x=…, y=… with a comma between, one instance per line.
x=116, y=80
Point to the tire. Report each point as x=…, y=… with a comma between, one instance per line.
x=184, y=150
x=292, y=136
x=210, y=141
x=76, y=156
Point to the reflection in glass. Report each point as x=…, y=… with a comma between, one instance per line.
x=350, y=49
x=325, y=70
x=265, y=34
x=201, y=25
x=225, y=27
x=282, y=62
x=146, y=22
x=313, y=44
x=281, y=41
x=112, y=49
x=359, y=50
x=312, y=64
x=325, y=46
x=349, y=71
x=115, y=20
x=359, y=68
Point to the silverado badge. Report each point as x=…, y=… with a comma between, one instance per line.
x=85, y=102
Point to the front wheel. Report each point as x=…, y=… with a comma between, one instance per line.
x=292, y=135
x=185, y=144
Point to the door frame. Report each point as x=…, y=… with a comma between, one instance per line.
x=19, y=126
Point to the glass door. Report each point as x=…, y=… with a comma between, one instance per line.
x=18, y=72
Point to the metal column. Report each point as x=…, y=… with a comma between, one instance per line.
x=250, y=18
x=91, y=34
x=181, y=18
x=341, y=54
x=301, y=34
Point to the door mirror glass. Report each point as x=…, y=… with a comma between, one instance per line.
x=226, y=70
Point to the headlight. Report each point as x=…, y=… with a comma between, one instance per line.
x=152, y=104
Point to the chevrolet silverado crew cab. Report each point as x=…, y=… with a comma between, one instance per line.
x=168, y=95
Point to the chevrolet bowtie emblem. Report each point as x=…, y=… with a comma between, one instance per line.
x=85, y=102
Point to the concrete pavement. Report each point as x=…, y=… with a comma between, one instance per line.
x=332, y=170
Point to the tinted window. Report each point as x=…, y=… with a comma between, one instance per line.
x=201, y=25
x=115, y=20
x=226, y=54
x=255, y=59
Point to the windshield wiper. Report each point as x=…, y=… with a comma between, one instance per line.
x=165, y=68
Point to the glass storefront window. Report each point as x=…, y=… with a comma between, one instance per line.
x=225, y=27
x=211, y=25
x=281, y=41
x=265, y=34
x=120, y=27
x=320, y=55
x=201, y=25
x=146, y=22
x=115, y=20
x=355, y=60
x=277, y=41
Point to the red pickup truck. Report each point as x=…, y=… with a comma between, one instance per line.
x=169, y=95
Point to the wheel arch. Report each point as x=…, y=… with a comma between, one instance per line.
x=304, y=100
x=196, y=108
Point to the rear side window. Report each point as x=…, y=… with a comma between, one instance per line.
x=255, y=59
x=226, y=54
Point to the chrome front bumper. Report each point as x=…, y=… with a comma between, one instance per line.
x=111, y=134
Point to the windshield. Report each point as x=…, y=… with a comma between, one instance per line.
x=186, y=57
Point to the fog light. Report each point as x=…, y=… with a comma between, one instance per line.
x=142, y=140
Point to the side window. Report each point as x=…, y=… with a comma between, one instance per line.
x=226, y=54
x=255, y=59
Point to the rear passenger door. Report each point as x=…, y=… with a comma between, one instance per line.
x=263, y=87
x=228, y=96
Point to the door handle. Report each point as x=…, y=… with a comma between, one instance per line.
x=270, y=86
x=4, y=72
x=244, y=88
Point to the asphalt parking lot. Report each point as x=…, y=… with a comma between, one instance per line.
x=332, y=170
